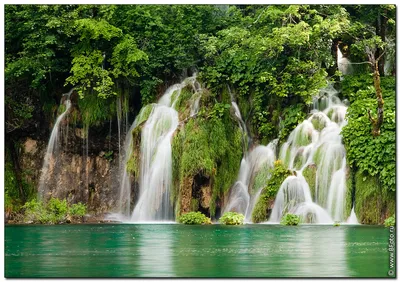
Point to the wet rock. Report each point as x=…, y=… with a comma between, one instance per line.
x=30, y=146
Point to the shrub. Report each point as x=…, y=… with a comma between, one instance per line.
x=55, y=211
x=390, y=221
x=290, y=219
x=8, y=204
x=34, y=211
x=78, y=209
x=194, y=218
x=336, y=223
x=232, y=218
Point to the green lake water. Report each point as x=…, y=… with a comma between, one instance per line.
x=172, y=250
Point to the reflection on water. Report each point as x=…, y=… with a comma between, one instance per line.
x=155, y=250
x=196, y=251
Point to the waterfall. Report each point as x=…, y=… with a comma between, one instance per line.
x=242, y=125
x=124, y=207
x=50, y=157
x=155, y=182
x=316, y=142
x=352, y=218
x=159, y=122
x=344, y=64
x=195, y=99
x=245, y=192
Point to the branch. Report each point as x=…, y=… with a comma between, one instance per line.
x=381, y=55
x=367, y=62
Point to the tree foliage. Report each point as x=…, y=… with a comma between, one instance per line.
x=373, y=155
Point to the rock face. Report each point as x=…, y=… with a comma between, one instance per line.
x=91, y=179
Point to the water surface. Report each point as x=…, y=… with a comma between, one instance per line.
x=172, y=250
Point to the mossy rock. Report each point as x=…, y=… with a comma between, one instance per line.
x=318, y=123
x=309, y=174
x=373, y=204
x=263, y=207
x=133, y=164
x=210, y=147
x=349, y=192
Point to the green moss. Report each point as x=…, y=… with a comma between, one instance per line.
x=133, y=164
x=318, y=123
x=144, y=114
x=298, y=161
x=309, y=174
x=330, y=113
x=278, y=175
x=261, y=177
x=95, y=110
x=349, y=193
x=373, y=203
x=209, y=144
x=194, y=205
x=211, y=147
x=183, y=100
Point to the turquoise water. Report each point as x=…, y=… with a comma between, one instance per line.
x=172, y=250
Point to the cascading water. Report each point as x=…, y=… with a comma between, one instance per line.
x=154, y=202
x=352, y=218
x=50, y=157
x=156, y=164
x=242, y=197
x=155, y=157
x=316, y=142
x=245, y=192
x=242, y=125
x=125, y=184
x=195, y=100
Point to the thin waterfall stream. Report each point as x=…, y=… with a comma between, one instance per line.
x=50, y=158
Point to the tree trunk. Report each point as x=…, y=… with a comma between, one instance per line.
x=377, y=123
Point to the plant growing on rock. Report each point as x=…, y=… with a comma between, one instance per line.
x=278, y=175
x=390, y=221
x=290, y=219
x=53, y=212
x=78, y=209
x=194, y=218
x=232, y=218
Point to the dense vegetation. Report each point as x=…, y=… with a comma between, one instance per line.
x=53, y=212
x=194, y=218
x=290, y=219
x=271, y=58
x=232, y=218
